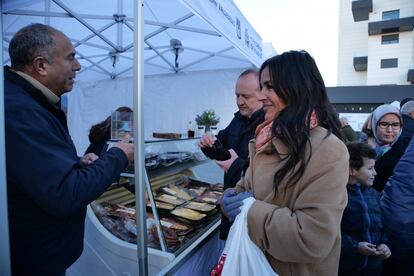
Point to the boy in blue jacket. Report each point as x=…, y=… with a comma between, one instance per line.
x=363, y=239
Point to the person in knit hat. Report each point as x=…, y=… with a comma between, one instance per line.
x=386, y=123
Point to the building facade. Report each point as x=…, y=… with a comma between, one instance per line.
x=376, y=42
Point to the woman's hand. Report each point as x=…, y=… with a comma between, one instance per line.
x=231, y=201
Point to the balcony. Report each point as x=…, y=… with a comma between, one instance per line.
x=410, y=76
x=361, y=9
x=405, y=24
x=360, y=64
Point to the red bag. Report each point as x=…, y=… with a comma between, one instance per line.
x=219, y=267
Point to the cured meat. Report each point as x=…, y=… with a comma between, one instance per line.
x=211, y=197
x=179, y=228
x=170, y=236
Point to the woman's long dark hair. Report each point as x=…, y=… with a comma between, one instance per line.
x=297, y=81
x=102, y=131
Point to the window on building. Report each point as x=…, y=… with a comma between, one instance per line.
x=388, y=15
x=389, y=63
x=390, y=39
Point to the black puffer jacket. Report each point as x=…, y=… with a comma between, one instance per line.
x=236, y=136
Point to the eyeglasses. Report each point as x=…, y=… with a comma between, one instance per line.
x=385, y=125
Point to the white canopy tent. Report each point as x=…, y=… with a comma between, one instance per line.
x=180, y=38
x=203, y=34
x=191, y=53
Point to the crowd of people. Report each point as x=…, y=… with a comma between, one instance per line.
x=322, y=206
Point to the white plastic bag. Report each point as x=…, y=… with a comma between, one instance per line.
x=241, y=256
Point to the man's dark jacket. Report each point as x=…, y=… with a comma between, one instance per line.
x=348, y=134
x=408, y=127
x=236, y=136
x=48, y=190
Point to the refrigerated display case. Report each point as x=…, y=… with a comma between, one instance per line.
x=183, y=191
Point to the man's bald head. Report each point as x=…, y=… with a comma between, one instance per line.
x=247, y=92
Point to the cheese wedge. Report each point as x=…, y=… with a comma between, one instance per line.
x=199, y=206
x=170, y=199
x=188, y=214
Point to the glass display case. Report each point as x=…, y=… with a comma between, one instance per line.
x=121, y=124
x=183, y=189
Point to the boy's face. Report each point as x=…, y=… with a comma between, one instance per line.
x=366, y=174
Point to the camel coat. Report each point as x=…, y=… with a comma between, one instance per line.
x=299, y=230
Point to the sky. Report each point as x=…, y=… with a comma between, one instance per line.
x=311, y=25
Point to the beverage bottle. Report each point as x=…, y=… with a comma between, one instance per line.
x=190, y=130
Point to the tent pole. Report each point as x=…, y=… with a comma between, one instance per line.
x=139, y=140
x=47, y=9
x=119, y=35
x=4, y=227
x=86, y=24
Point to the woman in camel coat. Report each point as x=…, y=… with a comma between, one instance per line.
x=298, y=171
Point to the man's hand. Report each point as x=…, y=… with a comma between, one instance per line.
x=87, y=159
x=207, y=140
x=383, y=251
x=231, y=201
x=366, y=248
x=126, y=147
x=226, y=164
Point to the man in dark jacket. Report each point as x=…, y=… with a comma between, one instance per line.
x=348, y=133
x=407, y=112
x=238, y=133
x=48, y=185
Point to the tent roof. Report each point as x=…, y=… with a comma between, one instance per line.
x=213, y=34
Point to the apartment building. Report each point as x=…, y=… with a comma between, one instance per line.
x=376, y=42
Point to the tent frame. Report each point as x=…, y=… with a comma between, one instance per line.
x=4, y=229
x=115, y=49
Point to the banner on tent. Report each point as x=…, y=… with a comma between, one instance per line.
x=8, y=5
x=233, y=25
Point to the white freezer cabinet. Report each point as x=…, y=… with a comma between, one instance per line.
x=182, y=194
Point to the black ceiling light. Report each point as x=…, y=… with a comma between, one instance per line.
x=176, y=48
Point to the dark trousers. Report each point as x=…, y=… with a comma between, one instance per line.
x=395, y=267
x=367, y=271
